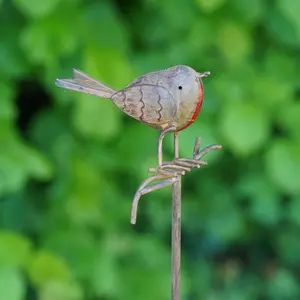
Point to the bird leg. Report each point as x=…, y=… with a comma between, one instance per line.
x=176, y=145
x=180, y=169
x=163, y=167
x=160, y=140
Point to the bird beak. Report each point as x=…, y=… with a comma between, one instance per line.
x=204, y=74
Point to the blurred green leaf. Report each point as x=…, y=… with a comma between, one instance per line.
x=234, y=42
x=35, y=8
x=12, y=284
x=283, y=285
x=232, y=87
x=85, y=191
x=201, y=277
x=207, y=28
x=105, y=280
x=294, y=210
x=70, y=164
x=264, y=198
x=12, y=178
x=289, y=119
x=7, y=108
x=42, y=48
x=288, y=246
x=221, y=219
x=266, y=206
x=278, y=65
x=224, y=226
x=245, y=127
x=19, y=162
x=38, y=165
x=15, y=250
x=111, y=31
x=46, y=267
x=12, y=60
x=210, y=6
x=34, y=34
x=77, y=248
x=130, y=156
x=271, y=95
x=108, y=65
x=283, y=165
x=248, y=11
x=148, y=259
x=60, y=291
x=290, y=10
x=168, y=12
x=281, y=28
x=96, y=118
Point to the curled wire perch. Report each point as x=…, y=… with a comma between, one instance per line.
x=169, y=173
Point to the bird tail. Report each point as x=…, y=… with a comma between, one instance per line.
x=85, y=84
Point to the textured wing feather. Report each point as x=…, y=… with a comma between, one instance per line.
x=149, y=104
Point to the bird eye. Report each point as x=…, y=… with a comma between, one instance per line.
x=180, y=87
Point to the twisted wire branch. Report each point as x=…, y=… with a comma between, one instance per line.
x=170, y=173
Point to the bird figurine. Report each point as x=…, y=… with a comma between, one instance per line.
x=168, y=100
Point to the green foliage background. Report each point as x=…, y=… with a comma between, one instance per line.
x=70, y=163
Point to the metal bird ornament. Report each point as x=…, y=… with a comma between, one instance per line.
x=168, y=100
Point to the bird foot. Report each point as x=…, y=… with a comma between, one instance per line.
x=169, y=169
x=189, y=163
x=178, y=167
x=168, y=173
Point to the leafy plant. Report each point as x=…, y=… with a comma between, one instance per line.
x=70, y=164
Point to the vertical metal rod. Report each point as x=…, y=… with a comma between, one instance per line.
x=176, y=238
x=176, y=230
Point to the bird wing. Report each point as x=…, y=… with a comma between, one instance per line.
x=148, y=103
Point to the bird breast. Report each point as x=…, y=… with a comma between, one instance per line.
x=190, y=106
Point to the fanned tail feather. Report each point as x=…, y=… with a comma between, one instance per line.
x=83, y=83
